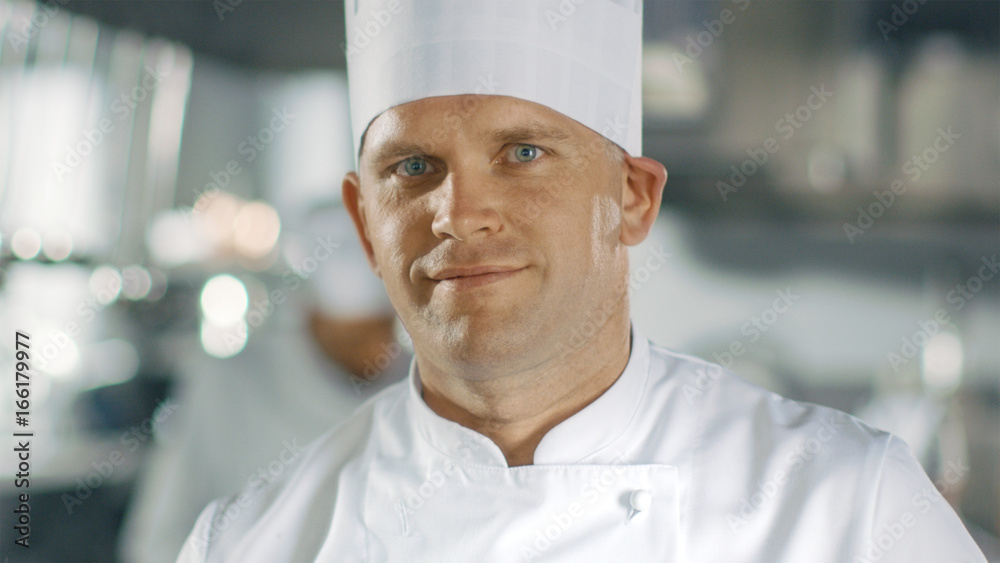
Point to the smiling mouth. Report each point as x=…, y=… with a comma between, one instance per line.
x=468, y=278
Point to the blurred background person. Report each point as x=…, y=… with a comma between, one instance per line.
x=241, y=421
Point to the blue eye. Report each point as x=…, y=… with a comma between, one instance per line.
x=413, y=166
x=525, y=153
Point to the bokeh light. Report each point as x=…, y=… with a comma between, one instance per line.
x=943, y=358
x=106, y=284
x=256, y=229
x=26, y=243
x=224, y=300
x=57, y=245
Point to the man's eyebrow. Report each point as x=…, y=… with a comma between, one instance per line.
x=519, y=133
x=393, y=150
x=528, y=132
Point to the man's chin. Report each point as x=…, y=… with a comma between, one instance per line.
x=483, y=342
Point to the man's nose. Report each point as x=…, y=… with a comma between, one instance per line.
x=466, y=206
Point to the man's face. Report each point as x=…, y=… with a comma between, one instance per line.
x=495, y=225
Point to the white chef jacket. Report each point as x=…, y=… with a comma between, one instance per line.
x=733, y=473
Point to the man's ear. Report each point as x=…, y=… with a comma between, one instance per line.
x=642, y=191
x=351, y=190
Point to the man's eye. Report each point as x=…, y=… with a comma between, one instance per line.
x=414, y=166
x=525, y=153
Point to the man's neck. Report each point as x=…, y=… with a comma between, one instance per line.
x=517, y=410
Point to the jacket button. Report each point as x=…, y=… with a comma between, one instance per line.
x=640, y=500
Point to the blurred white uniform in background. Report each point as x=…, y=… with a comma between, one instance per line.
x=241, y=421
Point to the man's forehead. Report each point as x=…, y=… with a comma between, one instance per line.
x=429, y=122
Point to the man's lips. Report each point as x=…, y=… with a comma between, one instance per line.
x=475, y=276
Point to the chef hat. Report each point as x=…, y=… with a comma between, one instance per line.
x=581, y=58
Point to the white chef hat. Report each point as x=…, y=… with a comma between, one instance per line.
x=581, y=58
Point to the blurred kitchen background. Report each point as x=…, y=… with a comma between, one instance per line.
x=156, y=158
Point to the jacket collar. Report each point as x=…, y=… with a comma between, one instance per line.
x=586, y=434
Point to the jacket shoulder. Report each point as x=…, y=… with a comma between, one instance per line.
x=724, y=401
x=289, y=489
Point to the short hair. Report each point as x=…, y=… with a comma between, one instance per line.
x=361, y=145
x=616, y=154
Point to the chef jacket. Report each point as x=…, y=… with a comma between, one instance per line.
x=679, y=460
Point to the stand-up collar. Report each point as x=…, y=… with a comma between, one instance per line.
x=580, y=436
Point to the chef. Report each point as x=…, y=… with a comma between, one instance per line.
x=499, y=183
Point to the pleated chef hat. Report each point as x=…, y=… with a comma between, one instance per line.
x=581, y=58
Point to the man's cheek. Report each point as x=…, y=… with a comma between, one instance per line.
x=606, y=219
x=390, y=234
